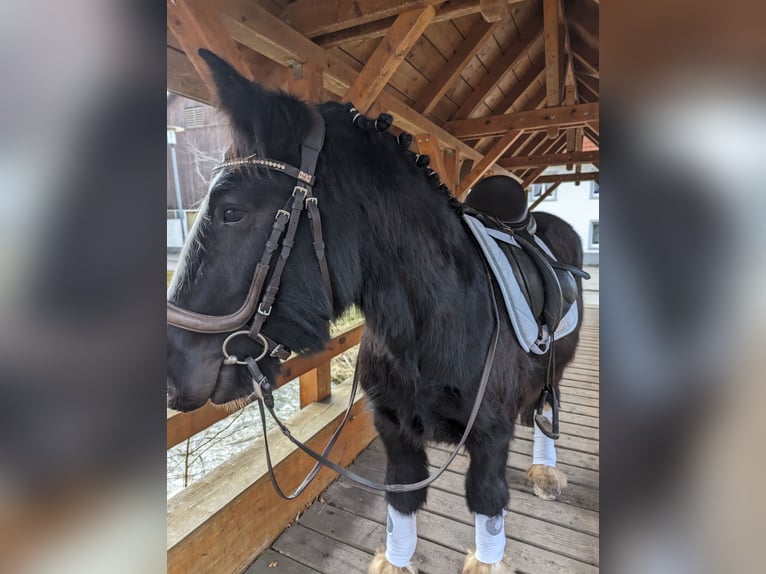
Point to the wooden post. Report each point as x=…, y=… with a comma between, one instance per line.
x=315, y=385
x=451, y=169
x=427, y=145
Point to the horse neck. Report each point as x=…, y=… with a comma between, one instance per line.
x=421, y=272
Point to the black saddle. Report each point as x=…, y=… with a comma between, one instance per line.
x=548, y=285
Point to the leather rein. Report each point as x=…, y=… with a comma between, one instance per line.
x=257, y=308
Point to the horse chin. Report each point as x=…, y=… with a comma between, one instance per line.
x=232, y=388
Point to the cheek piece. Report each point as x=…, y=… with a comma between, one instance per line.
x=544, y=450
x=401, y=537
x=490, y=537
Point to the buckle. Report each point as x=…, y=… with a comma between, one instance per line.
x=263, y=312
x=302, y=189
x=312, y=199
x=282, y=212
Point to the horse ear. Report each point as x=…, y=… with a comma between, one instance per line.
x=238, y=97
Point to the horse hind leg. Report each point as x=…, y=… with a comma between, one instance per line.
x=487, y=496
x=547, y=480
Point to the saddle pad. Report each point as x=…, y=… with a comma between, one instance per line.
x=523, y=320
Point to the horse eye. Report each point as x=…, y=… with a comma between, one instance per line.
x=232, y=215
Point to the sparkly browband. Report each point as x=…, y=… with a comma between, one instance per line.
x=270, y=164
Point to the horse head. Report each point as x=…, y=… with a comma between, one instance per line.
x=227, y=241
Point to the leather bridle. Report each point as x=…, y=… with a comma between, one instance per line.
x=256, y=309
x=258, y=303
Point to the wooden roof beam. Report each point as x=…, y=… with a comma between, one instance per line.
x=549, y=146
x=387, y=57
x=523, y=86
x=312, y=18
x=568, y=177
x=583, y=17
x=586, y=56
x=547, y=160
x=500, y=69
x=589, y=83
x=542, y=119
x=552, y=29
x=263, y=32
x=197, y=24
x=376, y=29
x=481, y=167
x=480, y=33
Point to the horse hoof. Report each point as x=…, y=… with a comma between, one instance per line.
x=380, y=565
x=471, y=565
x=547, y=481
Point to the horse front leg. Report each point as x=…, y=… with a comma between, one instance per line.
x=547, y=480
x=406, y=463
x=487, y=497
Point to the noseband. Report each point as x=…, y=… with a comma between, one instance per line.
x=258, y=302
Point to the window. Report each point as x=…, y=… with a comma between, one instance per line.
x=194, y=117
x=593, y=243
x=539, y=189
x=594, y=187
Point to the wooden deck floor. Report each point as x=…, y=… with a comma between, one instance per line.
x=340, y=531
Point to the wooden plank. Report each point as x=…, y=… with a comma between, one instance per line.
x=389, y=54
x=550, y=159
x=181, y=426
x=455, y=64
x=183, y=79
x=273, y=562
x=197, y=24
x=451, y=169
x=320, y=552
x=223, y=521
x=562, y=116
x=480, y=168
x=313, y=18
x=315, y=385
x=590, y=176
x=551, y=25
x=513, y=55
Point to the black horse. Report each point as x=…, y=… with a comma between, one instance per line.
x=398, y=249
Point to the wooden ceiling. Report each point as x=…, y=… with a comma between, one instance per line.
x=486, y=86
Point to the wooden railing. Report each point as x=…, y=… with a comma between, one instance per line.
x=223, y=521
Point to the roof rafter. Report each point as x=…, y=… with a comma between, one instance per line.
x=480, y=33
x=313, y=18
x=387, y=57
x=500, y=69
x=530, y=120
x=546, y=160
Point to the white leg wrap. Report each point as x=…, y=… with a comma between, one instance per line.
x=490, y=538
x=544, y=450
x=401, y=537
